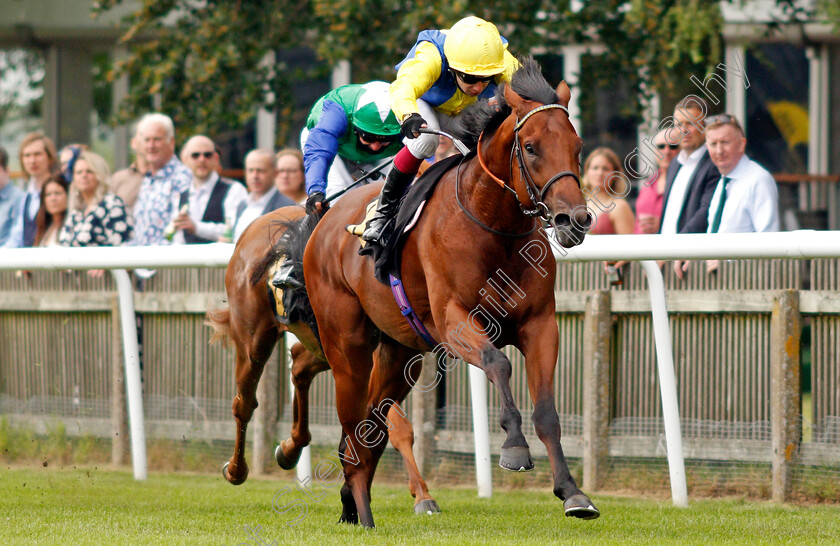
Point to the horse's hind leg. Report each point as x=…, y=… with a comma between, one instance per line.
x=305, y=366
x=401, y=434
x=350, y=354
x=254, y=343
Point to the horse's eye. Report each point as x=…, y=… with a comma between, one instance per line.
x=530, y=149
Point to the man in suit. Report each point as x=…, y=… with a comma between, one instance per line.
x=691, y=177
x=263, y=196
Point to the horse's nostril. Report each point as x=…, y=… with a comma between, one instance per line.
x=562, y=219
x=582, y=221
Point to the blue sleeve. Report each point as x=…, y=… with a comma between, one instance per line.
x=15, y=239
x=322, y=146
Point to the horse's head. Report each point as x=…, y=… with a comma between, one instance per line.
x=547, y=151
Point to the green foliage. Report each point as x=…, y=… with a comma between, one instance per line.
x=204, y=59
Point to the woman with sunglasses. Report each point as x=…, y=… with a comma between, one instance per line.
x=445, y=71
x=649, y=202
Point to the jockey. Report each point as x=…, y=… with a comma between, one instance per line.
x=445, y=71
x=355, y=123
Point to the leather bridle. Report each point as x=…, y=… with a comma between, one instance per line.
x=535, y=194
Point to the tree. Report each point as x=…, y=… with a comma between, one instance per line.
x=203, y=58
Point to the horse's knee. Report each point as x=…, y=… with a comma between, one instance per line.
x=496, y=365
x=243, y=409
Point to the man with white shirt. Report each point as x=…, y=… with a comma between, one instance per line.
x=746, y=199
x=691, y=177
x=211, y=200
x=263, y=196
x=39, y=161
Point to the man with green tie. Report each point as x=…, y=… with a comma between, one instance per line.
x=746, y=199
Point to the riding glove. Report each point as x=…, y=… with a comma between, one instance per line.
x=410, y=127
x=314, y=199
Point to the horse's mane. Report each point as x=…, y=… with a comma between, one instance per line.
x=486, y=115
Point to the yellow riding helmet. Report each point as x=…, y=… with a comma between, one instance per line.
x=473, y=46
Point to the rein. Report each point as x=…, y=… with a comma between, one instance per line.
x=540, y=209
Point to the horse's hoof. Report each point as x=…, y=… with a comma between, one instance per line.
x=580, y=506
x=352, y=519
x=230, y=478
x=284, y=462
x=428, y=506
x=516, y=459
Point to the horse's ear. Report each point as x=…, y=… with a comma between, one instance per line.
x=512, y=98
x=563, y=93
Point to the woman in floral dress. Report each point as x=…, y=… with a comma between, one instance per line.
x=95, y=216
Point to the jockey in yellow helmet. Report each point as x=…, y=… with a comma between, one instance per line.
x=445, y=71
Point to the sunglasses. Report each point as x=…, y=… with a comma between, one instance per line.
x=206, y=155
x=720, y=118
x=671, y=146
x=371, y=138
x=469, y=79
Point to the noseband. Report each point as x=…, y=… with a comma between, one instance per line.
x=540, y=209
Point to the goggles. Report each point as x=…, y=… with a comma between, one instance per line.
x=469, y=79
x=371, y=138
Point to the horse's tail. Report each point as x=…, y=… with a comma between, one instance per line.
x=219, y=320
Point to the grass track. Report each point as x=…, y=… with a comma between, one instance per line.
x=95, y=506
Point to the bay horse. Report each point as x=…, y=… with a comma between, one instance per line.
x=479, y=221
x=249, y=322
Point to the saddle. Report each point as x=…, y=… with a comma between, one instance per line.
x=387, y=257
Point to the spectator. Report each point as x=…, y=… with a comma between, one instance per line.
x=211, y=200
x=67, y=158
x=610, y=211
x=51, y=213
x=649, y=202
x=263, y=196
x=11, y=198
x=691, y=178
x=445, y=148
x=290, y=180
x=96, y=217
x=126, y=183
x=166, y=179
x=746, y=198
x=39, y=161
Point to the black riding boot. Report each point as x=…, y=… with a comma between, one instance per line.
x=284, y=276
x=389, y=201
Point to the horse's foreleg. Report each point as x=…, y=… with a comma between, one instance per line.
x=252, y=351
x=539, y=344
x=305, y=366
x=473, y=346
x=401, y=434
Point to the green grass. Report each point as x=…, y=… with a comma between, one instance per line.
x=96, y=506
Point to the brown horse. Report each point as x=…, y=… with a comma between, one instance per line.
x=249, y=322
x=471, y=234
